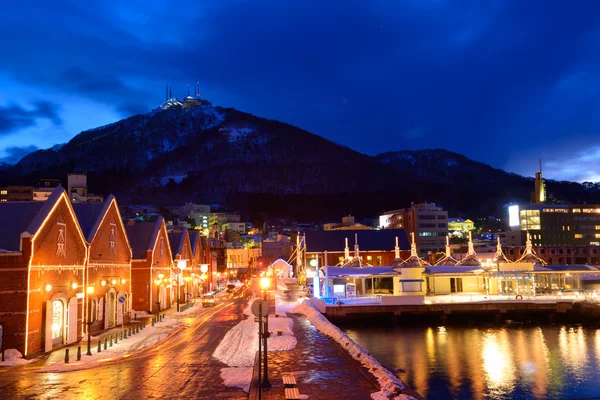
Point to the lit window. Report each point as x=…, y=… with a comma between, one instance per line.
x=576, y=210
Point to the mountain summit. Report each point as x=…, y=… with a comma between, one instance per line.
x=201, y=152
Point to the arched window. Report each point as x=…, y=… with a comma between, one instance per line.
x=126, y=303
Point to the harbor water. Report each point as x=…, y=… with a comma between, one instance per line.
x=488, y=362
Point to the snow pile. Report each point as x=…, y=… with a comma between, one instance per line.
x=13, y=357
x=389, y=383
x=240, y=344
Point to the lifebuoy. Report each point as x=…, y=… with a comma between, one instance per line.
x=518, y=297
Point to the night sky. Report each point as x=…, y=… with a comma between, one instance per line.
x=502, y=82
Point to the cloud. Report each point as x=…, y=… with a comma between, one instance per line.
x=16, y=153
x=14, y=117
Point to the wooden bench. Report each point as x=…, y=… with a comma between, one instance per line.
x=292, y=394
x=289, y=381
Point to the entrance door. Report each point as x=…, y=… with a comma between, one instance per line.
x=72, y=336
x=111, y=309
x=58, y=322
x=120, y=309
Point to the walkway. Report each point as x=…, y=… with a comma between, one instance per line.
x=322, y=369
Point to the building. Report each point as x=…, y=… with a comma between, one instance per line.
x=348, y=223
x=43, y=253
x=375, y=247
x=183, y=259
x=460, y=225
x=234, y=227
x=279, y=247
x=241, y=260
x=200, y=269
x=428, y=222
x=108, y=267
x=45, y=188
x=16, y=193
x=77, y=189
x=151, y=266
x=223, y=218
x=200, y=213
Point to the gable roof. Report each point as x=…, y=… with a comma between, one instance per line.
x=194, y=240
x=177, y=241
x=26, y=217
x=382, y=240
x=90, y=216
x=142, y=237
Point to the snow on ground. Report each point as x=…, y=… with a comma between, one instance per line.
x=13, y=357
x=237, y=377
x=240, y=344
x=389, y=383
x=147, y=337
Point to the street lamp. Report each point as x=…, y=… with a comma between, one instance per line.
x=264, y=285
x=181, y=266
x=90, y=292
x=158, y=281
x=187, y=279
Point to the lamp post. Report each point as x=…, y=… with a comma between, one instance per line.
x=204, y=270
x=181, y=265
x=187, y=280
x=89, y=291
x=158, y=281
x=264, y=285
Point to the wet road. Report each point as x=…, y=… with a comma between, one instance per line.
x=181, y=367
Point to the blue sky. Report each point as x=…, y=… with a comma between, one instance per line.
x=502, y=82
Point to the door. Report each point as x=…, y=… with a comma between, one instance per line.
x=72, y=327
x=58, y=322
x=111, y=309
x=120, y=309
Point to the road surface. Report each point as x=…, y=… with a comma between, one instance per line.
x=181, y=367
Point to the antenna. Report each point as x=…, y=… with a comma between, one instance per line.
x=540, y=166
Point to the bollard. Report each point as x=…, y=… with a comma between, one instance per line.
x=111, y=341
x=129, y=331
x=152, y=321
x=137, y=328
x=66, y=356
x=125, y=333
x=78, y=353
x=99, y=345
x=105, y=343
x=116, y=338
x=121, y=335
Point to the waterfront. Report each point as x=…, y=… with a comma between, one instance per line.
x=488, y=362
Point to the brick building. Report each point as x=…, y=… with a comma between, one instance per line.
x=200, y=257
x=151, y=265
x=181, y=252
x=42, y=261
x=108, y=272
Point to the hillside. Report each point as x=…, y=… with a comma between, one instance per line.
x=269, y=168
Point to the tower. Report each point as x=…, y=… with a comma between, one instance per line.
x=539, y=194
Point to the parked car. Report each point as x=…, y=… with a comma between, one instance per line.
x=209, y=300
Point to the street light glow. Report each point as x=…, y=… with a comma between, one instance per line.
x=265, y=283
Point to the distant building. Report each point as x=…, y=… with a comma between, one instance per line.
x=460, y=225
x=553, y=224
x=200, y=213
x=16, y=193
x=428, y=222
x=348, y=223
x=279, y=247
x=77, y=189
x=221, y=219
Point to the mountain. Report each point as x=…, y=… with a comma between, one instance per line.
x=268, y=168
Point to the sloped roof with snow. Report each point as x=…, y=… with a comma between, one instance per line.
x=142, y=237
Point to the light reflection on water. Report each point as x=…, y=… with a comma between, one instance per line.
x=458, y=362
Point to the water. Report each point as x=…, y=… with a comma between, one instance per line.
x=503, y=362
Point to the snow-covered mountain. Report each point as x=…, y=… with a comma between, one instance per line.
x=207, y=153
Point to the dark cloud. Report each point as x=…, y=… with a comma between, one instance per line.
x=14, y=117
x=16, y=153
x=494, y=80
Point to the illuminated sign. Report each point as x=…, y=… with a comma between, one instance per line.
x=513, y=216
x=384, y=221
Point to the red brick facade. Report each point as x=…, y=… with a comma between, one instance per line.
x=109, y=272
x=145, y=271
